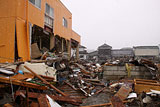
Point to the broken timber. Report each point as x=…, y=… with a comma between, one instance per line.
x=56, y=98
x=44, y=81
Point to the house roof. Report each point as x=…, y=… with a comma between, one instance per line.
x=104, y=46
x=146, y=47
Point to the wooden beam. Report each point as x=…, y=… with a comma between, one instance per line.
x=56, y=98
x=44, y=81
x=82, y=69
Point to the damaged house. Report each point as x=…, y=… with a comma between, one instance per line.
x=31, y=27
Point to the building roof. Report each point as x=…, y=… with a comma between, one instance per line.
x=126, y=48
x=82, y=46
x=104, y=46
x=83, y=52
x=94, y=53
x=146, y=47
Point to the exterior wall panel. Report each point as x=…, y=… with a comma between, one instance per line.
x=76, y=36
x=7, y=35
x=146, y=52
x=22, y=43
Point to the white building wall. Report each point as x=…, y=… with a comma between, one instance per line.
x=146, y=52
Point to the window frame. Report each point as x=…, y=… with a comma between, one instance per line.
x=36, y=5
x=64, y=22
x=50, y=10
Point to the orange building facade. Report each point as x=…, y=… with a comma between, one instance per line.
x=44, y=22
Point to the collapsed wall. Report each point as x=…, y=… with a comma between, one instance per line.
x=117, y=72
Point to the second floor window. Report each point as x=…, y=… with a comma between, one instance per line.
x=49, y=16
x=49, y=10
x=65, y=23
x=37, y=3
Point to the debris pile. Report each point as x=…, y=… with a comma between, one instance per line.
x=54, y=81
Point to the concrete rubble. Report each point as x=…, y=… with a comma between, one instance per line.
x=58, y=82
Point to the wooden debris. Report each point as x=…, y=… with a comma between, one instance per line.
x=7, y=105
x=117, y=102
x=34, y=104
x=22, y=77
x=43, y=102
x=123, y=92
x=101, y=105
x=56, y=98
x=21, y=83
x=146, y=85
x=97, y=92
x=50, y=85
x=70, y=85
x=82, y=69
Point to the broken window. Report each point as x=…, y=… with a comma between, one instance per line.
x=37, y=3
x=65, y=23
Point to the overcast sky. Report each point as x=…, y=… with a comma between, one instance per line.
x=119, y=23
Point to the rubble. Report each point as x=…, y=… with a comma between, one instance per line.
x=57, y=82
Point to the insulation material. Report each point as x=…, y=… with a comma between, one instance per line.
x=35, y=52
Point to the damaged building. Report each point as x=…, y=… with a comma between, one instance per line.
x=31, y=27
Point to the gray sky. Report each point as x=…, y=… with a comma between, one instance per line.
x=119, y=23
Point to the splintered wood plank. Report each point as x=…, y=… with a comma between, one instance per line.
x=34, y=104
x=116, y=102
x=123, y=92
x=145, y=85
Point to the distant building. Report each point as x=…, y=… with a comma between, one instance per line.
x=122, y=53
x=93, y=56
x=104, y=53
x=82, y=52
x=150, y=52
